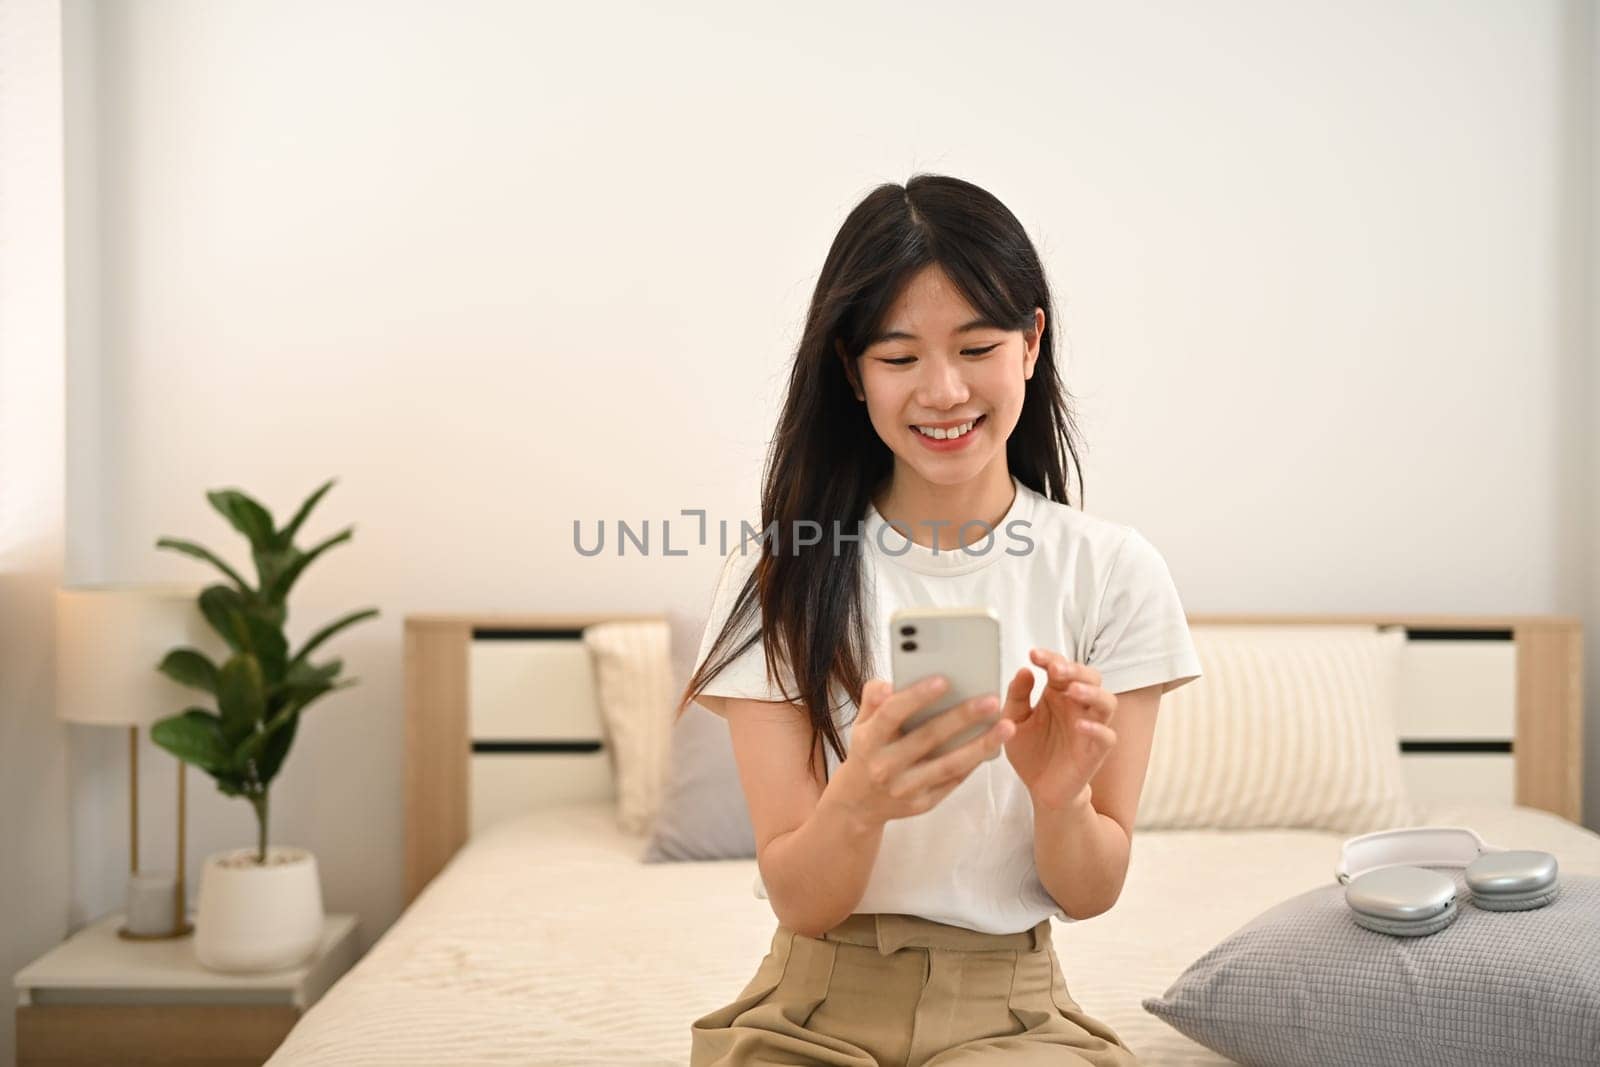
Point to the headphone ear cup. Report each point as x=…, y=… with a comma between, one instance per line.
x=1514, y=880
x=1407, y=927
x=1402, y=901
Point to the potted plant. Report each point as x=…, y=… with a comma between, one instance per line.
x=261, y=908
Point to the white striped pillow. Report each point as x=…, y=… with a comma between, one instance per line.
x=633, y=680
x=1289, y=726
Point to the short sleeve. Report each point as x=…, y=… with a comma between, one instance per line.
x=1141, y=634
x=746, y=676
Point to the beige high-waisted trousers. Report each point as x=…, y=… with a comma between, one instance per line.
x=905, y=991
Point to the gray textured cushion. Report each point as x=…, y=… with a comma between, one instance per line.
x=702, y=815
x=1302, y=984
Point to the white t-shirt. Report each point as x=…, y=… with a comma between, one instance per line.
x=1094, y=590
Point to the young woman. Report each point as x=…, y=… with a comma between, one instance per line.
x=926, y=435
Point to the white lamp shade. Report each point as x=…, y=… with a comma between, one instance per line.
x=109, y=641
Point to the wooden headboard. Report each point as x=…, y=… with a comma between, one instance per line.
x=1499, y=696
x=467, y=752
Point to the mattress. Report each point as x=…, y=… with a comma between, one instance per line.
x=545, y=940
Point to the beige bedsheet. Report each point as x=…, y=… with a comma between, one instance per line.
x=545, y=941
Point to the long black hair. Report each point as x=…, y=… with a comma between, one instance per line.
x=826, y=460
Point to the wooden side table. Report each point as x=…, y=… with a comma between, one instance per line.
x=96, y=999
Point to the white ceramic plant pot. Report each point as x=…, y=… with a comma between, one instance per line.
x=253, y=917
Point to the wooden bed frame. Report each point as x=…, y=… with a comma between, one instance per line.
x=1546, y=746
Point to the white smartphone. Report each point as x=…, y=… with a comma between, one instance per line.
x=963, y=644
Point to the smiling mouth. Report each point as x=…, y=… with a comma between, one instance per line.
x=953, y=433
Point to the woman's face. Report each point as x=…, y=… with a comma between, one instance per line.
x=931, y=368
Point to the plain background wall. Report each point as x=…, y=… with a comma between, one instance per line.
x=35, y=856
x=1323, y=276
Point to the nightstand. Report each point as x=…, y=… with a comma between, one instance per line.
x=98, y=999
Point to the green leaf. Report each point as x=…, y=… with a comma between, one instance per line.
x=277, y=747
x=271, y=564
x=286, y=537
x=252, y=747
x=231, y=785
x=195, y=736
x=276, y=614
x=302, y=679
x=241, y=695
x=329, y=630
x=284, y=581
x=255, y=745
x=301, y=673
x=247, y=516
x=189, y=548
x=268, y=644
x=190, y=667
x=247, y=626
x=225, y=609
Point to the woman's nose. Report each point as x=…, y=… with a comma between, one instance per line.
x=942, y=384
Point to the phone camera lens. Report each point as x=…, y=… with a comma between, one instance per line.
x=907, y=631
x=909, y=646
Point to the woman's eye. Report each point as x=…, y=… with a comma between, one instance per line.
x=903, y=360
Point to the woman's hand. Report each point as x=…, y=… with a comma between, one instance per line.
x=885, y=775
x=1063, y=740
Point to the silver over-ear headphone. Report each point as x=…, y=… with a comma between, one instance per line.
x=1391, y=888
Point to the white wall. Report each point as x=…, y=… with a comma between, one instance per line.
x=501, y=266
x=34, y=857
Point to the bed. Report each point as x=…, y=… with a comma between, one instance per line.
x=529, y=927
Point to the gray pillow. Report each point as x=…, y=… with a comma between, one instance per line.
x=1302, y=984
x=702, y=815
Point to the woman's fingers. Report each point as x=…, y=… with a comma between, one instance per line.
x=1060, y=671
x=1057, y=668
x=1018, y=706
x=899, y=706
x=930, y=797
x=923, y=739
x=954, y=765
x=873, y=692
x=1097, y=704
x=1077, y=683
x=1097, y=732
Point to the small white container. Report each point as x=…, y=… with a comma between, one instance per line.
x=152, y=909
x=253, y=917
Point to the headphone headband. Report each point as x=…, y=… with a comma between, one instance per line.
x=1410, y=846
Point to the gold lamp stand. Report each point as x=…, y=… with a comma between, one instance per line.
x=181, y=927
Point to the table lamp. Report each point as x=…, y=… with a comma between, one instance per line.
x=110, y=640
